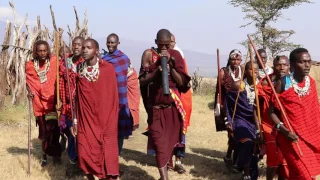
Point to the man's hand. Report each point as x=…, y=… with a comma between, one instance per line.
x=160, y=69
x=74, y=130
x=258, y=139
x=228, y=126
x=30, y=96
x=165, y=54
x=292, y=137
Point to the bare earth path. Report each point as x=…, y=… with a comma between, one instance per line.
x=205, y=149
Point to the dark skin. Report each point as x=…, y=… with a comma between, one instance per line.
x=42, y=55
x=163, y=47
x=77, y=49
x=301, y=69
x=173, y=42
x=112, y=43
x=249, y=74
x=264, y=59
x=89, y=54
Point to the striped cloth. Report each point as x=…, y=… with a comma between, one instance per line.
x=121, y=63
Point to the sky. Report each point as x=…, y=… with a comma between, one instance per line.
x=199, y=25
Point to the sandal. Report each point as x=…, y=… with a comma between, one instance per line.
x=179, y=169
x=44, y=162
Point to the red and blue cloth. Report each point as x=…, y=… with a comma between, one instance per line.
x=121, y=63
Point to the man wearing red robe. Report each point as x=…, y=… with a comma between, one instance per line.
x=275, y=160
x=165, y=112
x=41, y=80
x=97, y=107
x=299, y=98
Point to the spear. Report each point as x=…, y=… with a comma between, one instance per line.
x=219, y=80
x=274, y=91
x=57, y=45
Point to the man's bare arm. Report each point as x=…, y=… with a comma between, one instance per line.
x=146, y=61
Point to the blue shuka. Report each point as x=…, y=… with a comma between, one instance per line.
x=121, y=63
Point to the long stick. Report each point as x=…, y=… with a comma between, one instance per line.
x=29, y=136
x=255, y=87
x=219, y=80
x=69, y=88
x=236, y=103
x=57, y=41
x=274, y=91
x=68, y=80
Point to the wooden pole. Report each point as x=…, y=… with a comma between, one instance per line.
x=219, y=79
x=57, y=46
x=29, y=136
x=68, y=80
x=255, y=88
x=274, y=91
x=242, y=75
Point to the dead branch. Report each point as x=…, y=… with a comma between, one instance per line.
x=53, y=19
x=4, y=46
x=77, y=19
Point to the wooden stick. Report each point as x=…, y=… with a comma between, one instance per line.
x=242, y=75
x=274, y=91
x=68, y=80
x=219, y=78
x=29, y=136
x=57, y=85
x=255, y=89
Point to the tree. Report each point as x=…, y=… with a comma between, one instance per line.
x=263, y=12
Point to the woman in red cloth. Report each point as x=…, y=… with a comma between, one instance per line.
x=97, y=110
x=298, y=95
x=275, y=160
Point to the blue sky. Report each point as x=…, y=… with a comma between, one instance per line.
x=199, y=25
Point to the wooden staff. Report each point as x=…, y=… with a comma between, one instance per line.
x=29, y=136
x=241, y=79
x=219, y=79
x=273, y=90
x=255, y=89
x=57, y=83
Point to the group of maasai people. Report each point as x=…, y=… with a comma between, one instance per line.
x=288, y=133
x=100, y=97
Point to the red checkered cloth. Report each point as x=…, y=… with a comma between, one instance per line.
x=304, y=116
x=63, y=86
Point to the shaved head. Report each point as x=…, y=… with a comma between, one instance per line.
x=173, y=41
x=114, y=35
x=163, y=33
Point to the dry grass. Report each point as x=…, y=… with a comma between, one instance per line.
x=205, y=149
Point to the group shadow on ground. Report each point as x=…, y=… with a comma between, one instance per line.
x=58, y=172
x=206, y=164
x=54, y=172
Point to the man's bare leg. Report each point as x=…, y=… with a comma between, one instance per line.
x=90, y=177
x=164, y=173
x=271, y=171
x=178, y=166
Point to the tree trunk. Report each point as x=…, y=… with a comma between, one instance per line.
x=3, y=64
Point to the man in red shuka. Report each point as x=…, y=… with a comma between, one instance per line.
x=275, y=160
x=165, y=113
x=298, y=95
x=97, y=111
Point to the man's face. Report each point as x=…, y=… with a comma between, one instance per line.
x=173, y=42
x=303, y=64
x=163, y=44
x=281, y=68
x=89, y=50
x=235, y=61
x=112, y=44
x=263, y=57
x=249, y=70
x=77, y=46
x=42, y=52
